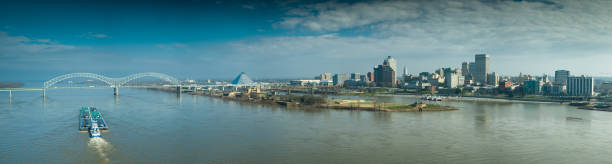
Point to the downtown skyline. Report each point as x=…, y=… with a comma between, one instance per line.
x=288, y=40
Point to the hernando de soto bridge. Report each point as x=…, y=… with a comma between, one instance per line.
x=110, y=82
x=123, y=82
x=115, y=82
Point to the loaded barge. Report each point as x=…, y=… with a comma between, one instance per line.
x=90, y=119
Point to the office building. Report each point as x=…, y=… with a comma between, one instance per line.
x=384, y=75
x=453, y=80
x=561, y=77
x=606, y=87
x=482, y=68
x=471, y=67
x=579, y=86
x=557, y=90
x=363, y=78
x=370, y=77
x=325, y=76
x=532, y=87
x=391, y=63
x=355, y=76
x=465, y=68
x=493, y=79
x=339, y=79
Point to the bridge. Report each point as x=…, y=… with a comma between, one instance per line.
x=114, y=83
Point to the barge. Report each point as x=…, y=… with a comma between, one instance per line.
x=90, y=119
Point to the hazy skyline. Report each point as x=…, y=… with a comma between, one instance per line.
x=202, y=39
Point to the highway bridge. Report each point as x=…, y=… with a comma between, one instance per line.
x=120, y=82
x=108, y=82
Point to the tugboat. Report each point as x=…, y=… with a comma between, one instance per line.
x=94, y=131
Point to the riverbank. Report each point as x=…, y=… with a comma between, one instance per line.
x=315, y=101
x=388, y=107
x=485, y=98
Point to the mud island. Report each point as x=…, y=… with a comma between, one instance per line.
x=320, y=101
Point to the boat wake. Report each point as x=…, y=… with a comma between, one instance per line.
x=100, y=146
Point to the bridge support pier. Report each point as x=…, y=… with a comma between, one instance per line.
x=179, y=90
x=44, y=90
x=10, y=94
x=116, y=91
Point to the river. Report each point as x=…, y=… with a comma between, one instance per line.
x=158, y=127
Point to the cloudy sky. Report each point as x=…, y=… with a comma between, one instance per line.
x=207, y=39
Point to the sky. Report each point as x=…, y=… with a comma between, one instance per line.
x=289, y=39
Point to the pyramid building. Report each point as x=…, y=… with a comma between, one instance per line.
x=242, y=78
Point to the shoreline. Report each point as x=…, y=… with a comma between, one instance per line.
x=484, y=98
x=339, y=104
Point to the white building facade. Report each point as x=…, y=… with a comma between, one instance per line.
x=580, y=86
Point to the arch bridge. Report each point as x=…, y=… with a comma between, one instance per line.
x=115, y=83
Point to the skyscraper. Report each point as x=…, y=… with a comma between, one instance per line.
x=384, y=75
x=465, y=68
x=472, y=65
x=482, y=68
x=561, y=77
x=391, y=63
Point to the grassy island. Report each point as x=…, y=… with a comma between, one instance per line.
x=388, y=107
x=320, y=102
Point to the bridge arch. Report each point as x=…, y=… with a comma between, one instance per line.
x=124, y=80
x=57, y=79
x=115, y=82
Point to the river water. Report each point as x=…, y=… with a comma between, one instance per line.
x=158, y=127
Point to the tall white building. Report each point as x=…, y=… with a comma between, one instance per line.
x=493, y=79
x=453, y=80
x=580, y=86
x=391, y=62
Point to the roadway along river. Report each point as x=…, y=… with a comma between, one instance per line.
x=157, y=127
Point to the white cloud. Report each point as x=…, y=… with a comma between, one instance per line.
x=446, y=32
x=171, y=46
x=332, y=16
x=92, y=35
x=15, y=45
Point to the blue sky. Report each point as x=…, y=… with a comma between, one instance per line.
x=269, y=39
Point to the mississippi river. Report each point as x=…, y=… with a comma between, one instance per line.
x=158, y=127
